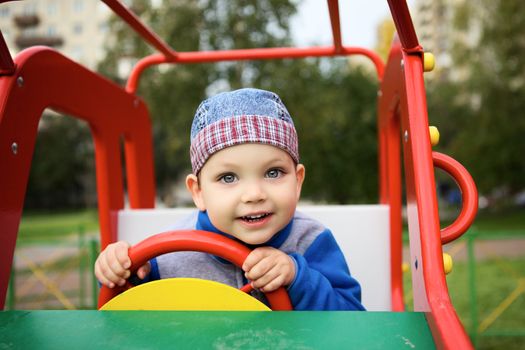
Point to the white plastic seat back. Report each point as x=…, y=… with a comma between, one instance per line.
x=362, y=232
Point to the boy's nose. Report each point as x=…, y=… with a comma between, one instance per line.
x=253, y=192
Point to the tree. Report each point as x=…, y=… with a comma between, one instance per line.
x=62, y=171
x=171, y=92
x=174, y=93
x=333, y=104
x=338, y=139
x=490, y=144
x=335, y=115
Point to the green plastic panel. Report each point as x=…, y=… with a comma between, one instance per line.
x=213, y=330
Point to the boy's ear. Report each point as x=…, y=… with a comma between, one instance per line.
x=192, y=184
x=300, y=173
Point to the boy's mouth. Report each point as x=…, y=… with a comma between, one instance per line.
x=255, y=218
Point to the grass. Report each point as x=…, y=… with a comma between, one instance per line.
x=49, y=225
x=504, y=223
x=495, y=279
x=46, y=226
x=510, y=221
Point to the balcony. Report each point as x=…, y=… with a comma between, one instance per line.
x=25, y=41
x=26, y=21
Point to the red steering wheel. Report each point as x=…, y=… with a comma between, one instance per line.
x=192, y=240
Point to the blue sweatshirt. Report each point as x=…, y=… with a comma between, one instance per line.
x=322, y=280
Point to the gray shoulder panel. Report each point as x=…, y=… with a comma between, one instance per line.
x=305, y=230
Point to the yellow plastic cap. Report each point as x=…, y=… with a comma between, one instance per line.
x=447, y=263
x=429, y=62
x=405, y=267
x=434, y=135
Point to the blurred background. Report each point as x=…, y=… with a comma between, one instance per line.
x=475, y=96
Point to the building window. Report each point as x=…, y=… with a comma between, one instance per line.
x=103, y=27
x=29, y=32
x=51, y=31
x=77, y=28
x=52, y=8
x=4, y=12
x=30, y=9
x=103, y=8
x=77, y=53
x=78, y=6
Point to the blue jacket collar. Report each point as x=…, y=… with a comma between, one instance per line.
x=204, y=223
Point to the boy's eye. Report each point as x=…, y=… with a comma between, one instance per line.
x=273, y=173
x=228, y=178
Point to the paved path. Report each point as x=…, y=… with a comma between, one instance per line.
x=483, y=249
x=67, y=280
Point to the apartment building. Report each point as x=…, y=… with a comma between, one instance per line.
x=77, y=28
x=433, y=23
x=438, y=32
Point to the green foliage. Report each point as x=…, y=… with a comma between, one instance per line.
x=509, y=222
x=40, y=226
x=485, y=109
x=332, y=103
x=333, y=107
x=335, y=116
x=495, y=279
x=62, y=170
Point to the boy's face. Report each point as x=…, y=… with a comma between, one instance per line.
x=250, y=191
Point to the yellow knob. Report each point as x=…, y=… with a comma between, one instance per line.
x=429, y=62
x=405, y=267
x=447, y=263
x=434, y=135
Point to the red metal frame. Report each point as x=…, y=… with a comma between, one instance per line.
x=404, y=26
x=250, y=54
x=7, y=66
x=333, y=8
x=41, y=78
x=390, y=184
x=192, y=240
x=403, y=98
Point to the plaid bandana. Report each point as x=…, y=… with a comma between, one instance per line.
x=237, y=117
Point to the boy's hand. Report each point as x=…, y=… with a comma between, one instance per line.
x=112, y=265
x=268, y=269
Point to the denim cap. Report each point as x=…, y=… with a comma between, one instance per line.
x=237, y=117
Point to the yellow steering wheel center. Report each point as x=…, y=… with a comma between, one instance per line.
x=184, y=294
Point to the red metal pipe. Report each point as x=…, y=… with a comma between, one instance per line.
x=7, y=66
x=469, y=195
x=250, y=54
x=404, y=26
x=134, y=22
x=333, y=8
x=390, y=172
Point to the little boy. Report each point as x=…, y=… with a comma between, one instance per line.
x=246, y=183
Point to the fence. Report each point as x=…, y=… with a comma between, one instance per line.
x=496, y=304
x=487, y=285
x=54, y=273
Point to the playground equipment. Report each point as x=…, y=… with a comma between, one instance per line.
x=41, y=78
x=197, y=241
